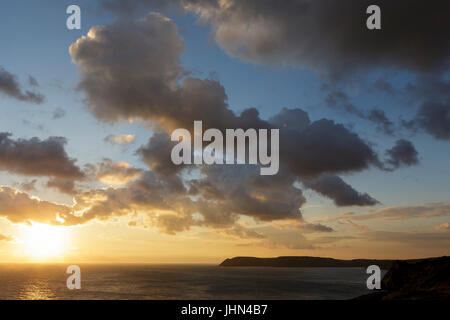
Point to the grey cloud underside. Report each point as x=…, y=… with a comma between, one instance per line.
x=327, y=35
x=330, y=37
x=126, y=76
x=11, y=88
x=342, y=194
x=131, y=70
x=434, y=118
x=402, y=154
x=430, y=94
x=36, y=157
x=64, y=185
x=340, y=101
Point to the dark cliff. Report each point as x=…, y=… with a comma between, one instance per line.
x=426, y=279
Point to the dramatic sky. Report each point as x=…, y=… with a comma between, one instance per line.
x=86, y=118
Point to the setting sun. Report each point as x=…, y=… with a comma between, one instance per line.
x=44, y=241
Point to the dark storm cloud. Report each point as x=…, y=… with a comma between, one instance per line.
x=340, y=101
x=66, y=186
x=156, y=154
x=434, y=118
x=384, y=86
x=326, y=35
x=402, y=154
x=10, y=87
x=132, y=70
x=36, y=157
x=294, y=119
x=241, y=190
x=342, y=193
x=431, y=92
x=324, y=146
x=429, y=87
x=381, y=121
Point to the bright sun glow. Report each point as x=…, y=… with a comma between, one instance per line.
x=43, y=241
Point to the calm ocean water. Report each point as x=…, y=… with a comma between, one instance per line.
x=181, y=282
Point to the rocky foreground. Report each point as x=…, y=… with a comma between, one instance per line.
x=426, y=279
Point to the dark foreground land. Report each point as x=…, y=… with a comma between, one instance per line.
x=427, y=279
x=419, y=279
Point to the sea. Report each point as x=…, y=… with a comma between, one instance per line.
x=184, y=282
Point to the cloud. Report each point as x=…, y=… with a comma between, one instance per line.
x=431, y=92
x=11, y=88
x=28, y=186
x=354, y=226
x=116, y=173
x=131, y=70
x=19, y=207
x=122, y=139
x=304, y=33
x=434, y=118
x=66, y=186
x=339, y=100
x=36, y=157
x=402, y=154
x=381, y=121
x=6, y=238
x=330, y=36
x=314, y=227
x=384, y=86
x=241, y=232
x=33, y=82
x=293, y=119
x=413, y=239
x=156, y=154
x=242, y=191
x=59, y=113
x=148, y=195
x=343, y=194
x=126, y=77
x=397, y=213
x=443, y=227
x=127, y=8
x=324, y=147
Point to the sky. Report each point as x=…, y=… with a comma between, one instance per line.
x=364, y=119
